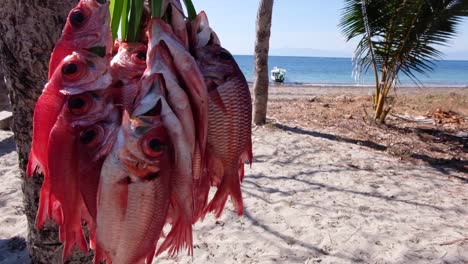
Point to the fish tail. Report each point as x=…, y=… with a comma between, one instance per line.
x=32, y=164
x=202, y=189
x=100, y=256
x=72, y=236
x=45, y=205
x=178, y=238
x=230, y=186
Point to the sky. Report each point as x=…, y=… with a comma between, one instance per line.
x=299, y=28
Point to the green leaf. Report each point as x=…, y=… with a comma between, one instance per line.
x=116, y=13
x=124, y=19
x=192, y=14
x=156, y=6
x=136, y=12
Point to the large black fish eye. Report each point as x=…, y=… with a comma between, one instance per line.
x=76, y=103
x=141, y=55
x=155, y=144
x=88, y=136
x=77, y=18
x=69, y=68
x=225, y=55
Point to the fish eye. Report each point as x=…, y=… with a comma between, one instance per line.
x=225, y=55
x=79, y=104
x=74, y=69
x=69, y=68
x=88, y=136
x=76, y=103
x=91, y=136
x=77, y=18
x=155, y=144
x=152, y=147
x=141, y=55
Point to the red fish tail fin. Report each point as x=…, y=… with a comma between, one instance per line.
x=48, y=207
x=90, y=225
x=72, y=235
x=201, y=185
x=179, y=237
x=246, y=156
x=100, y=256
x=202, y=189
x=33, y=163
x=150, y=257
x=230, y=186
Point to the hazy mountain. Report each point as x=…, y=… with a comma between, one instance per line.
x=307, y=52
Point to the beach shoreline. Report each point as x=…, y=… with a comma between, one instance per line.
x=287, y=91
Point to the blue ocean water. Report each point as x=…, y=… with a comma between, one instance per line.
x=338, y=71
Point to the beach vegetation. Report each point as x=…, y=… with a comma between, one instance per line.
x=398, y=36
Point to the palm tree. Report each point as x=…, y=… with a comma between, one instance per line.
x=4, y=101
x=29, y=30
x=262, y=44
x=398, y=35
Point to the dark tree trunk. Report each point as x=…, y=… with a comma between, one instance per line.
x=261, y=75
x=4, y=100
x=28, y=30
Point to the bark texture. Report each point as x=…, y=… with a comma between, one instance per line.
x=261, y=74
x=28, y=30
x=4, y=100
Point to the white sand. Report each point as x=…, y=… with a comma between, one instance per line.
x=12, y=219
x=309, y=199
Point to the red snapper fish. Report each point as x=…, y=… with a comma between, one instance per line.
x=157, y=89
x=79, y=72
x=134, y=190
x=191, y=77
x=81, y=137
x=229, y=142
x=87, y=28
x=127, y=67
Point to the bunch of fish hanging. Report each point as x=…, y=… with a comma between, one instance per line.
x=131, y=136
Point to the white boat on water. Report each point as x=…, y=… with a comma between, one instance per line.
x=278, y=74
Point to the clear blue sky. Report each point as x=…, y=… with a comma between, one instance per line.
x=299, y=27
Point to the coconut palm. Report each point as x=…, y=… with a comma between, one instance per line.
x=262, y=44
x=399, y=36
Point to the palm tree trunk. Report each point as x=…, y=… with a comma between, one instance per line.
x=261, y=75
x=4, y=100
x=29, y=29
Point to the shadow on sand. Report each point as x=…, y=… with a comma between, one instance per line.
x=440, y=164
x=7, y=146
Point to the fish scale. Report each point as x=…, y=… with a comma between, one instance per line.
x=229, y=116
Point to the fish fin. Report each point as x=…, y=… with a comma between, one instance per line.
x=201, y=192
x=178, y=238
x=149, y=258
x=230, y=186
x=33, y=165
x=201, y=185
x=90, y=224
x=100, y=256
x=72, y=236
x=43, y=209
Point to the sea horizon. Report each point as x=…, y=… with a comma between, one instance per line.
x=338, y=71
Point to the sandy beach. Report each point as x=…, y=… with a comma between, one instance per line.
x=319, y=191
